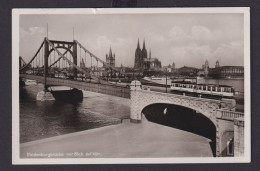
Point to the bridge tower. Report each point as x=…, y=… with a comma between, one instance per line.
x=46, y=56
x=63, y=45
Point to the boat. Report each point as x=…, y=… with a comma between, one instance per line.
x=202, y=90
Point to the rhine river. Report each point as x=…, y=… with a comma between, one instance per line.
x=42, y=119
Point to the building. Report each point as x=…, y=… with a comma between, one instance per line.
x=188, y=71
x=110, y=58
x=142, y=62
x=139, y=56
x=173, y=66
x=205, y=69
x=227, y=72
x=217, y=64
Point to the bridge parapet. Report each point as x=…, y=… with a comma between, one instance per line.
x=100, y=88
x=228, y=115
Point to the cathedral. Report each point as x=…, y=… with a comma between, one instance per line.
x=110, y=58
x=139, y=56
x=143, y=62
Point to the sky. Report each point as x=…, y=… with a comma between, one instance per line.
x=185, y=39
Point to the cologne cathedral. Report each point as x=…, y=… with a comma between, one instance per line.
x=142, y=62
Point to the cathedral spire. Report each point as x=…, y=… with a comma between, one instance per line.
x=138, y=46
x=144, y=44
x=110, y=52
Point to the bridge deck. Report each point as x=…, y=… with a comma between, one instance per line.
x=114, y=90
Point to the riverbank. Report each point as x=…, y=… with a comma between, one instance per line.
x=123, y=140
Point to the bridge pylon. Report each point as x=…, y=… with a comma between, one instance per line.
x=59, y=44
x=46, y=56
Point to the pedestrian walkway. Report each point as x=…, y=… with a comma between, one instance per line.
x=122, y=140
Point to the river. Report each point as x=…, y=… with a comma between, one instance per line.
x=42, y=119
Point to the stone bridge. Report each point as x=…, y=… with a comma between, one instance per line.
x=220, y=112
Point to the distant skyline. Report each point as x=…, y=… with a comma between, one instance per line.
x=185, y=39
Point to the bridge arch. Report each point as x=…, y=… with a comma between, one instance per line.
x=205, y=107
x=199, y=110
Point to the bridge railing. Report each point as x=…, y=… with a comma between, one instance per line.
x=228, y=115
x=240, y=93
x=114, y=90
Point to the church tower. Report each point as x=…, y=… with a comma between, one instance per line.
x=110, y=58
x=144, y=51
x=173, y=66
x=138, y=57
x=217, y=64
x=206, y=69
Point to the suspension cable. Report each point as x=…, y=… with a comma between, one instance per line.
x=37, y=61
x=59, y=65
x=91, y=61
x=85, y=59
x=80, y=55
x=62, y=63
x=97, y=69
x=33, y=66
x=42, y=58
x=55, y=59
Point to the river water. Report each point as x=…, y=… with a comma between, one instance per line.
x=42, y=119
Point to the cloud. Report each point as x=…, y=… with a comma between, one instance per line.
x=184, y=39
x=200, y=33
x=120, y=46
x=32, y=31
x=177, y=34
x=231, y=52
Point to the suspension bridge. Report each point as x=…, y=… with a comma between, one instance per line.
x=63, y=63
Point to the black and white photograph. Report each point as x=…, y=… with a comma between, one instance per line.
x=157, y=85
